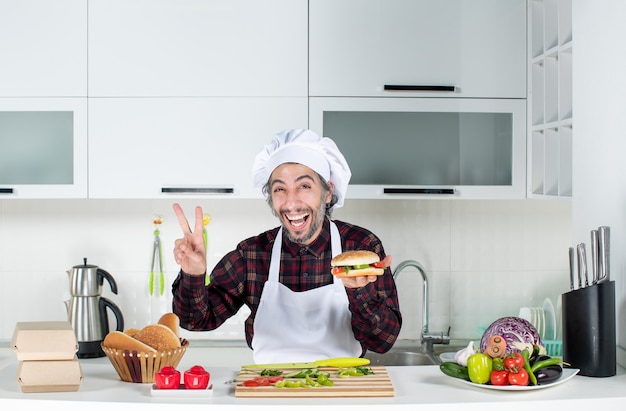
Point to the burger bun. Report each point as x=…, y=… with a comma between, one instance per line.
x=159, y=337
x=122, y=341
x=171, y=321
x=357, y=257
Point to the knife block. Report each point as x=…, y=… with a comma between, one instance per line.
x=589, y=339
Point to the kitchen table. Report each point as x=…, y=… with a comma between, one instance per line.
x=425, y=386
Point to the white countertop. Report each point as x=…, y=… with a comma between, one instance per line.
x=424, y=385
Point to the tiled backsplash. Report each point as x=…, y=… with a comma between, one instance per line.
x=484, y=259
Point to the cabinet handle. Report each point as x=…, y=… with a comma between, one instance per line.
x=418, y=190
x=401, y=87
x=6, y=190
x=196, y=190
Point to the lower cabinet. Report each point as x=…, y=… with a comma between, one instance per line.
x=193, y=147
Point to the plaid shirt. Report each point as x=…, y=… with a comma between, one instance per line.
x=239, y=277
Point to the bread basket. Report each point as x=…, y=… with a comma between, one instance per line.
x=139, y=367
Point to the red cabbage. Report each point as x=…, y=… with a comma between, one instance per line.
x=514, y=330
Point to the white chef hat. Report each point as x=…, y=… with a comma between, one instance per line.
x=307, y=148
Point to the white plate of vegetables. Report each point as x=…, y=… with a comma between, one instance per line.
x=568, y=373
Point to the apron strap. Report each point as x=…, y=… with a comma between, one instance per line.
x=335, y=247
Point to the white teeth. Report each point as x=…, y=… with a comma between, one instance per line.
x=297, y=217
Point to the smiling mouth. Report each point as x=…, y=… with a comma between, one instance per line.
x=297, y=221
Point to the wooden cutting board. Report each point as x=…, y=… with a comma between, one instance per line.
x=376, y=385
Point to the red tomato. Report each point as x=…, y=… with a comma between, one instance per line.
x=167, y=378
x=383, y=264
x=261, y=381
x=196, y=378
x=499, y=377
x=338, y=270
x=518, y=378
x=274, y=379
x=514, y=362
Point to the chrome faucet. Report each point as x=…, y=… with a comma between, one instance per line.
x=427, y=338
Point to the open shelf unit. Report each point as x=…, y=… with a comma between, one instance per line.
x=550, y=120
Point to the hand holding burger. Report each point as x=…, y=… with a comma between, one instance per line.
x=359, y=263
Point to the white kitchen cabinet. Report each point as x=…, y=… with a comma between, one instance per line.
x=191, y=48
x=550, y=58
x=428, y=148
x=193, y=147
x=43, y=148
x=43, y=48
x=468, y=48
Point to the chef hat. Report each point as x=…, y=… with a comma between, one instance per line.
x=307, y=148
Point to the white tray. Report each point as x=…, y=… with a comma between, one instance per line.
x=181, y=392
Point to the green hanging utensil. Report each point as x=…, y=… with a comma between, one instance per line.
x=157, y=258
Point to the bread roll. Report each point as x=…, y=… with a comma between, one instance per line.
x=131, y=331
x=171, y=321
x=158, y=336
x=120, y=341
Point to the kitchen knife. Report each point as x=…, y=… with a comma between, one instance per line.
x=582, y=265
x=572, y=264
x=604, y=254
x=594, y=256
x=330, y=362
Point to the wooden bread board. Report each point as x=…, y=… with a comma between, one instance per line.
x=376, y=385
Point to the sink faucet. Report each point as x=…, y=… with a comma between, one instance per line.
x=427, y=338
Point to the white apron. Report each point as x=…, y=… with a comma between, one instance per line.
x=303, y=326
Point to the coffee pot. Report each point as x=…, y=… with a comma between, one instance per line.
x=87, y=309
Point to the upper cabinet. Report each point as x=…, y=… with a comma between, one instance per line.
x=43, y=104
x=428, y=147
x=43, y=48
x=417, y=48
x=43, y=147
x=192, y=147
x=183, y=48
x=550, y=58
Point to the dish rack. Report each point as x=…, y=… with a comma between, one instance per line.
x=554, y=348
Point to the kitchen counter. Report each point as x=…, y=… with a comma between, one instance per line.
x=424, y=385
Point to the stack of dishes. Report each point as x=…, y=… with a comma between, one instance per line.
x=547, y=321
x=536, y=317
x=550, y=320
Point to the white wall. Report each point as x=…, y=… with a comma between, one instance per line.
x=485, y=259
x=600, y=135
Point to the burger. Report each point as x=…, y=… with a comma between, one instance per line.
x=358, y=263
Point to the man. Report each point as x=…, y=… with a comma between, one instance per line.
x=299, y=310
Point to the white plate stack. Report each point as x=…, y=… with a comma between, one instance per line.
x=536, y=317
x=547, y=324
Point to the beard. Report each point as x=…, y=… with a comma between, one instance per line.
x=317, y=219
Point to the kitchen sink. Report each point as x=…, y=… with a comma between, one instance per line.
x=406, y=356
x=394, y=357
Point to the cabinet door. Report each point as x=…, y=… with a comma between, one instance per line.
x=43, y=48
x=359, y=46
x=197, y=48
x=43, y=148
x=158, y=148
x=428, y=147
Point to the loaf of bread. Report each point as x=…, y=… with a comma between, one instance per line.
x=158, y=336
x=171, y=321
x=121, y=341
